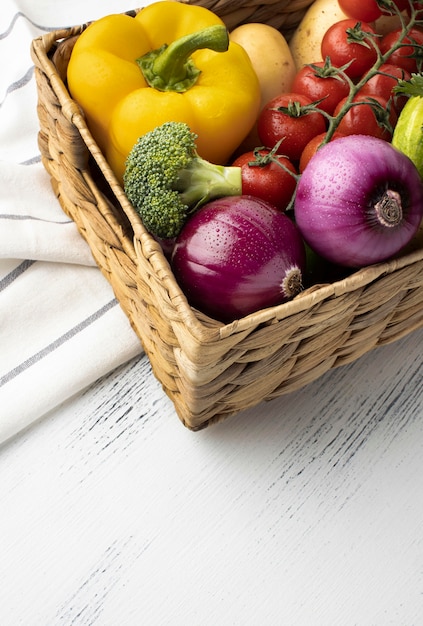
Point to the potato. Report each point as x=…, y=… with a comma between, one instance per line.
x=305, y=42
x=271, y=58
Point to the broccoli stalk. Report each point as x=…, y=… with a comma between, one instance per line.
x=166, y=180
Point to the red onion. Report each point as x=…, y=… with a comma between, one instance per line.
x=165, y=244
x=237, y=255
x=359, y=201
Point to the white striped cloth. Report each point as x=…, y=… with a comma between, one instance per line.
x=61, y=327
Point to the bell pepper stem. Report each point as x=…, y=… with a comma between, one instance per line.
x=170, y=68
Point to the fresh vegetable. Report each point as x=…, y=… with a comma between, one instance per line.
x=165, y=178
x=384, y=82
x=384, y=15
x=408, y=132
x=292, y=119
x=270, y=56
x=418, y=7
x=359, y=201
x=402, y=5
x=306, y=40
x=171, y=62
x=272, y=61
x=353, y=43
x=312, y=147
x=368, y=115
x=321, y=82
x=267, y=175
x=362, y=11
x=237, y=255
x=363, y=110
x=406, y=56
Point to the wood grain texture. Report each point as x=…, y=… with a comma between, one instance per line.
x=306, y=510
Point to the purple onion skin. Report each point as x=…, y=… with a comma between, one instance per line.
x=232, y=257
x=166, y=245
x=337, y=195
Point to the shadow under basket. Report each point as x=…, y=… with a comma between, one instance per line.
x=208, y=369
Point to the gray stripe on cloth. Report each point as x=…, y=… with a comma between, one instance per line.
x=38, y=356
x=13, y=275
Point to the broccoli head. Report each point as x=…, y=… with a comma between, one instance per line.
x=166, y=180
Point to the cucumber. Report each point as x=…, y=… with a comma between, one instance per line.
x=408, y=132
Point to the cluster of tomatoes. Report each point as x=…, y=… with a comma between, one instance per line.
x=293, y=125
x=370, y=10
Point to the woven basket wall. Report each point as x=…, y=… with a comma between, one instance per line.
x=209, y=370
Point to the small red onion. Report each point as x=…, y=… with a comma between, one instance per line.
x=359, y=201
x=237, y=255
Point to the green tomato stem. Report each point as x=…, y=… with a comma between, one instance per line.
x=334, y=121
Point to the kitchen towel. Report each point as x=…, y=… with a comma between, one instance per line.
x=61, y=328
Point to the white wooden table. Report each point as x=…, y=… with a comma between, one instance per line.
x=304, y=511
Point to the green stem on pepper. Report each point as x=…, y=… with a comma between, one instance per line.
x=170, y=68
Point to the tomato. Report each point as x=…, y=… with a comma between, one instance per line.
x=382, y=84
x=312, y=147
x=418, y=7
x=345, y=42
x=361, y=118
x=288, y=117
x=402, y=4
x=403, y=56
x=363, y=11
x=266, y=179
x=321, y=84
x=369, y=10
x=405, y=5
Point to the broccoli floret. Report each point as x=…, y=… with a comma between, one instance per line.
x=166, y=180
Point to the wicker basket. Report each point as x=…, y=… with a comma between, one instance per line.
x=210, y=370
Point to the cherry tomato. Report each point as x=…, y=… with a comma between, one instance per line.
x=363, y=11
x=405, y=5
x=287, y=117
x=361, y=118
x=401, y=4
x=266, y=179
x=338, y=45
x=382, y=84
x=418, y=6
x=403, y=56
x=312, y=146
x=321, y=84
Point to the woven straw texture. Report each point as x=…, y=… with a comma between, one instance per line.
x=210, y=370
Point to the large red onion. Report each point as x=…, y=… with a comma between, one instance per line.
x=237, y=255
x=359, y=201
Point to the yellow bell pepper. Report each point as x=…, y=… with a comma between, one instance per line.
x=169, y=62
